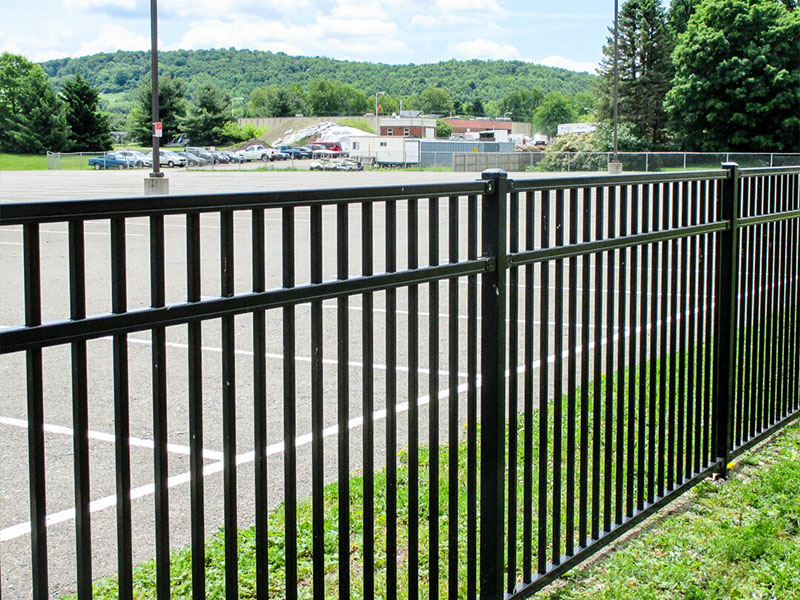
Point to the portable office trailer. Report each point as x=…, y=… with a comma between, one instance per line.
x=386, y=150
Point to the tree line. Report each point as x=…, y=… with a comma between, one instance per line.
x=706, y=75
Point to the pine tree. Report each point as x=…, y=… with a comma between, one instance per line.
x=645, y=69
x=31, y=115
x=206, y=121
x=88, y=126
x=171, y=108
x=679, y=13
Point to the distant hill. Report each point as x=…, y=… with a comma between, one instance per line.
x=241, y=71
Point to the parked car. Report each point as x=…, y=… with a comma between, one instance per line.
x=136, y=158
x=232, y=156
x=168, y=158
x=112, y=160
x=193, y=160
x=332, y=146
x=258, y=152
x=207, y=155
x=295, y=152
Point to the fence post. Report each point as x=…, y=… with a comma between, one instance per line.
x=726, y=301
x=493, y=352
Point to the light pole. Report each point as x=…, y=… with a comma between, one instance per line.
x=154, y=85
x=616, y=79
x=156, y=183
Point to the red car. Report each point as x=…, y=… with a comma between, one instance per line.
x=332, y=146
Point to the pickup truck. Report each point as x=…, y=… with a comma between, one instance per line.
x=258, y=152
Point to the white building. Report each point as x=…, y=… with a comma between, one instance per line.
x=566, y=128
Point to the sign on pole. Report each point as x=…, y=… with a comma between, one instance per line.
x=157, y=129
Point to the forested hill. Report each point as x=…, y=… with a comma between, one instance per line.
x=241, y=71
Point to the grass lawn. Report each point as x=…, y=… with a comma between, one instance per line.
x=734, y=539
x=38, y=162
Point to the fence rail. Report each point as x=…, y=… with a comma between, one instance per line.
x=608, y=342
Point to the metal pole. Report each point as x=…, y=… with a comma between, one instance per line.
x=616, y=79
x=493, y=347
x=154, y=84
x=726, y=302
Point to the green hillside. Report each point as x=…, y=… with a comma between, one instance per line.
x=241, y=71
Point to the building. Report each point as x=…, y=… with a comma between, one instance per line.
x=397, y=150
x=416, y=127
x=478, y=125
x=566, y=128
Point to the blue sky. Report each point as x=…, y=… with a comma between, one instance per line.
x=563, y=34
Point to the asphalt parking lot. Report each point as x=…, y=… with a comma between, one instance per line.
x=25, y=186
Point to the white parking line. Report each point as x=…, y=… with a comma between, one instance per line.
x=107, y=437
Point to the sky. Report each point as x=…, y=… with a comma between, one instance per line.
x=560, y=34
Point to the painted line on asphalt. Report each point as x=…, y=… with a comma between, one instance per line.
x=107, y=437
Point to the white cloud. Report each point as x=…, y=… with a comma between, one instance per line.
x=112, y=38
x=425, y=21
x=100, y=4
x=468, y=5
x=376, y=47
x=227, y=9
x=355, y=27
x=482, y=48
x=256, y=34
x=370, y=9
x=566, y=63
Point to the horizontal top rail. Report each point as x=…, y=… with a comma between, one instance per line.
x=20, y=213
x=586, y=181
x=759, y=171
x=627, y=241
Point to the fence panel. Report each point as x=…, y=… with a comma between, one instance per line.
x=288, y=360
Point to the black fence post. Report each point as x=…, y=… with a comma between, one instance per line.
x=726, y=302
x=493, y=353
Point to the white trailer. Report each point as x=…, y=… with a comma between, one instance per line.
x=386, y=150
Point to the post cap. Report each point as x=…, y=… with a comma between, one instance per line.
x=730, y=165
x=489, y=174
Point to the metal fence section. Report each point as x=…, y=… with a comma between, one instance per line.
x=499, y=379
x=648, y=162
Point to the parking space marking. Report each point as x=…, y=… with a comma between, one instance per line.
x=276, y=356
x=107, y=437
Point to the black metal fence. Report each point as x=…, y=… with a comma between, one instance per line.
x=633, y=333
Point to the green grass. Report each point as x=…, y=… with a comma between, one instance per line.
x=736, y=536
x=738, y=539
x=361, y=124
x=38, y=162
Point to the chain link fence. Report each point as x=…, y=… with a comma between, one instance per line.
x=660, y=161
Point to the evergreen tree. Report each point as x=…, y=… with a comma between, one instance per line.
x=171, y=108
x=88, y=126
x=737, y=78
x=32, y=117
x=679, y=13
x=207, y=118
x=645, y=69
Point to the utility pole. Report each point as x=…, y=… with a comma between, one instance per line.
x=155, y=183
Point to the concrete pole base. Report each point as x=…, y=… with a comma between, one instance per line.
x=614, y=168
x=156, y=186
